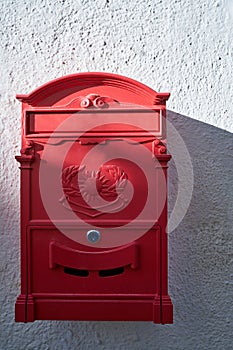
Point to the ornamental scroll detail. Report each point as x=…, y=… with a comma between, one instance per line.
x=93, y=101
x=27, y=154
x=158, y=147
x=82, y=186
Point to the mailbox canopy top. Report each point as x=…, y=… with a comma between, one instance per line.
x=65, y=90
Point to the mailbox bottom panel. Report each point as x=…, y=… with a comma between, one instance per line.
x=140, y=308
x=68, y=281
x=66, y=267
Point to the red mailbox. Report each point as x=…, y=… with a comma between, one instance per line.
x=93, y=201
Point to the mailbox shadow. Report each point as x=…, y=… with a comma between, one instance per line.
x=200, y=248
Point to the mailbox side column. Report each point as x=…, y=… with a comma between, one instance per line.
x=24, y=307
x=166, y=304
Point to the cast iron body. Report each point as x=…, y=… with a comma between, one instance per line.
x=71, y=271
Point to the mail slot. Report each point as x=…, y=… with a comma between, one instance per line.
x=94, y=201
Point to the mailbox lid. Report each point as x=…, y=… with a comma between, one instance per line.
x=78, y=112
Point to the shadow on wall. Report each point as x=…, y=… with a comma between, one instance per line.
x=200, y=253
x=201, y=247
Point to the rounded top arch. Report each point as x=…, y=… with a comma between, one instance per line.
x=61, y=91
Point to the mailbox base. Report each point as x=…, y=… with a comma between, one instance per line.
x=24, y=309
x=105, y=308
x=21, y=309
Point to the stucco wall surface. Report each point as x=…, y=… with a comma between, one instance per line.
x=184, y=47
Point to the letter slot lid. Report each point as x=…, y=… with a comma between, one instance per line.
x=94, y=201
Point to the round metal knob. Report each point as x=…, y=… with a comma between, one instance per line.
x=93, y=236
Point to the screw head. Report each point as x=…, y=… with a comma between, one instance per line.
x=93, y=236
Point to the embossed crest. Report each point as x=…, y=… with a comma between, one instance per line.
x=84, y=188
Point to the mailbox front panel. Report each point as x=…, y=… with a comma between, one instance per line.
x=94, y=201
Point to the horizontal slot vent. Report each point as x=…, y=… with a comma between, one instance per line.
x=112, y=272
x=76, y=272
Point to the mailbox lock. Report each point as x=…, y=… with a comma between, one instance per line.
x=93, y=236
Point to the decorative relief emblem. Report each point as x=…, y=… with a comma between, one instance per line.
x=84, y=189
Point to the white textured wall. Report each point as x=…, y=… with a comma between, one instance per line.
x=181, y=46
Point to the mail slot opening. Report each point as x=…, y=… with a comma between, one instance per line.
x=111, y=272
x=76, y=272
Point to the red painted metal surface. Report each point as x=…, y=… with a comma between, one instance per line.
x=93, y=156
